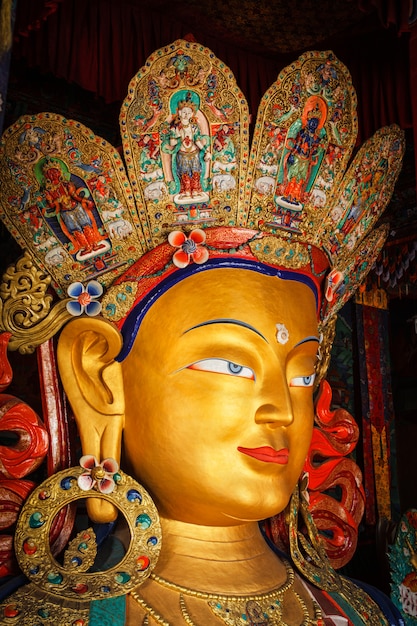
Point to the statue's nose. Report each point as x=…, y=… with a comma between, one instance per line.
x=273, y=400
x=275, y=407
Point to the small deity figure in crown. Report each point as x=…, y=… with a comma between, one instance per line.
x=224, y=158
x=268, y=163
x=187, y=144
x=72, y=209
x=151, y=167
x=303, y=153
x=224, y=149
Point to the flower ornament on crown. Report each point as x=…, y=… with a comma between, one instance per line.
x=84, y=299
x=190, y=248
x=192, y=194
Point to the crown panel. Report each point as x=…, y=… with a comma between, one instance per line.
x=66, y=199
x=361, y=197
x=304, y=135
x=185, y=137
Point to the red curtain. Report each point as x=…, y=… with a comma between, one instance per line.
x=391, y=12
x=413, y=85
x=101, y=44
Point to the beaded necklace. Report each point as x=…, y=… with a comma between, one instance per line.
x=261, y=609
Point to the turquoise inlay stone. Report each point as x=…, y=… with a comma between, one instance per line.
x=35, y=520
x=110, y=309
x=133, y=494
x=82, y=546
x=117, y=478
x=55, y=578
x=144, y=521
x=43, y=613
x=122, y=577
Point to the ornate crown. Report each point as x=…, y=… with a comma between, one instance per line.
x=191, y=190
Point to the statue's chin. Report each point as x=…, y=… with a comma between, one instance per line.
x=226, y=514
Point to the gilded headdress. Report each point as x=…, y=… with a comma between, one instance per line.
x=191, y=193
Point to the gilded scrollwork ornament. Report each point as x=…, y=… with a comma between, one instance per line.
x=26, y=307
x=327, y=334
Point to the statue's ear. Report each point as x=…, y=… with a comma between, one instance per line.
x=93, y=382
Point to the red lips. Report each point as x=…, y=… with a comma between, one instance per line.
x=267, y=454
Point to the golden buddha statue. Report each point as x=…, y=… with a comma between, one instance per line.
x=197, y=378
x=229, y=386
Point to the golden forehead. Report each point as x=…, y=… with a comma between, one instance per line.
x=252, y=299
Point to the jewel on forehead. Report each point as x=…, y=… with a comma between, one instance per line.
x=282, y=333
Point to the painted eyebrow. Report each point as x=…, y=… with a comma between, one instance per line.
x=227, y=321
x=306, y=339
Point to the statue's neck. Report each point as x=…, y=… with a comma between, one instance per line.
x=234, y=559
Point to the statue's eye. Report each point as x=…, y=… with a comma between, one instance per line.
x=303, y=381
x=221, y=366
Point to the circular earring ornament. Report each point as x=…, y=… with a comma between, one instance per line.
x=72, y=579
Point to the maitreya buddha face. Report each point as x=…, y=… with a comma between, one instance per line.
x=218, y=390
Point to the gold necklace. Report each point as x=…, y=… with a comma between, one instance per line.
x=265, y=608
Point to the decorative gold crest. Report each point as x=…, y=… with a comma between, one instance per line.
x=304, y=134
x=67, y=199
x=185, y=130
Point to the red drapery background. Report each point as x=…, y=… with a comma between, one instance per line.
x=101, y=44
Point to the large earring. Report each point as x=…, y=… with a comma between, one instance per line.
x=306, y=549
x=70, y=582
x=310, y=558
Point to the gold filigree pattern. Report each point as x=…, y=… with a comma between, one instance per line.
x=74, y=583
x=327, y=334
x=280, y=251
x=26, y=306
x=29, y=601
x=117, y=302
x=83, y=544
